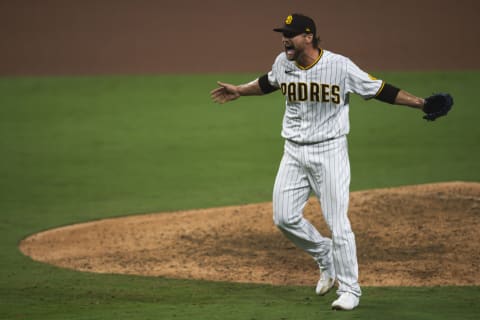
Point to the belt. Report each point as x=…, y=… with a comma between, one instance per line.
x=312, y=143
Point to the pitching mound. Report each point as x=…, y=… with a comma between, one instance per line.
x=416, y=235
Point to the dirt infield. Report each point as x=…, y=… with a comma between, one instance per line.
x=408, y=236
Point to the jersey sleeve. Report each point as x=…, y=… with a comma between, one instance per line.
x=265, y=84
x=361, y=83
x=269, y=82
x=272, y=79
x=272, y=75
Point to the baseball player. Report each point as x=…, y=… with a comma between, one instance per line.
x=316, y=84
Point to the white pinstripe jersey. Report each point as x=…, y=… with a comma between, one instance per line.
x=317, y=97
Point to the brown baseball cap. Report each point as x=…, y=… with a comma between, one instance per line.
x=296, y=24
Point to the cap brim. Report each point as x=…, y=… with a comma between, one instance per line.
x=292, y=32
x=284, y=29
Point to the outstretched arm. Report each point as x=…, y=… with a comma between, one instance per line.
x=394, y=95
x=228, y=92
x=435, y=106
x=407, y=99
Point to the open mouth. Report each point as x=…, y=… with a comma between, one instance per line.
x=289, y=49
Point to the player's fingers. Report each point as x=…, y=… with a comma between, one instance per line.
x=224, y=93
x=217, y=93
x=217, y=90
x=220, y=100
x=227, y=86
x=218, y=97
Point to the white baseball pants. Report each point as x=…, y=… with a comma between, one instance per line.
x=324, y=168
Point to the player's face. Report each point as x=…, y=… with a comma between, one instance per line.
x=294, y=45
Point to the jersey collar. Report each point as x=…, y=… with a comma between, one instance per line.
x=320, y=54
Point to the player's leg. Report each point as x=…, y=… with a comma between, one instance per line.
x=330, y=179
x=290, y=194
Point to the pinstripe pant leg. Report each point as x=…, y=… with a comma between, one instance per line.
x=330, y=179
x=290, y=194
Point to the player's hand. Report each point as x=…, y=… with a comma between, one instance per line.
x=224, y=93
x=437, y=105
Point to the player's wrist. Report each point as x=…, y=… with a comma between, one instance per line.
x=248, y=89
x=421, y=103
x=241, y=90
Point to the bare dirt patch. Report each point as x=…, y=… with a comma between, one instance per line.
x=151, y=37
x=415, y=235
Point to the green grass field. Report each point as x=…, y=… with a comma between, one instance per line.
x=84, y=148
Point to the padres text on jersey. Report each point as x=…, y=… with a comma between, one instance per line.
x=316, y=92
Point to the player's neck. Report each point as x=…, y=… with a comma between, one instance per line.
x=309, y=56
